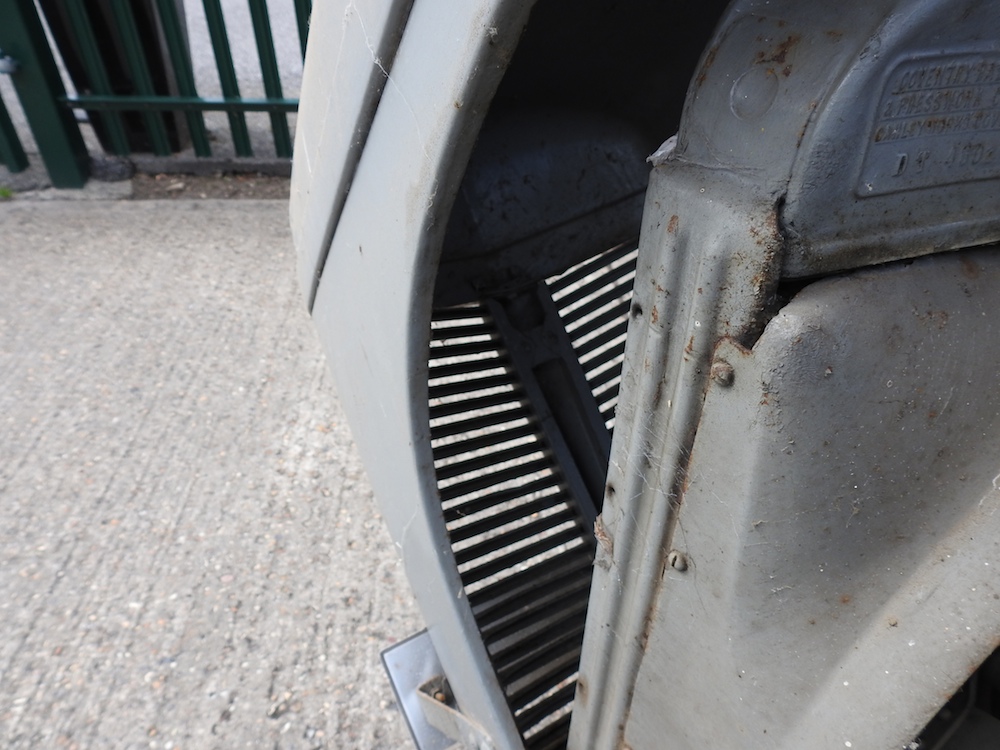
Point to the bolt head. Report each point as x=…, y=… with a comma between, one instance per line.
x=723, y=372
x=677, y=561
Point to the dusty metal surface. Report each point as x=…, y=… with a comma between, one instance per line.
x=760, y=174
x=343, y=80
x=684, y=302
x=838, y=517
x=410, y=664
x=373, y=305
x=903, y=157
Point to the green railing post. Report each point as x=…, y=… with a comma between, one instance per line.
x=11, y=153
x=303, y=10
x=40, y=88
x=272, y=79
x=135, y=57
x=227, y=74
x=97, y=73
x=174, y=33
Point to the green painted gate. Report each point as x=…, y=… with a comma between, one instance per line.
x=131, y=64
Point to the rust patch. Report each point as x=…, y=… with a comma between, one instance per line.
x=835, y=35
x=603, y=537
x=690, y=345
x=780, y=52
x=672, y=224
x=969, y=267
x=709, y=61
x=654, y=315
x=846, y=599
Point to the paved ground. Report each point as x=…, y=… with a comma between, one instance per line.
x=190, y=556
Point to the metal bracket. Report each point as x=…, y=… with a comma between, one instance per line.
x=426, y=700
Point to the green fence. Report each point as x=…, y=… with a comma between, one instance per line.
x=131, y=64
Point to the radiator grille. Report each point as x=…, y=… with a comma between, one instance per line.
x=522, y=549
x=593, y=300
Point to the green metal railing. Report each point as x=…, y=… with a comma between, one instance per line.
x=142, y=112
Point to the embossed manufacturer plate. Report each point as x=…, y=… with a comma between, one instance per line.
x=937, y=123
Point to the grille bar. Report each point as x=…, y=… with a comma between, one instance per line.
x=596, y=264
x=485, y=460
x=483, y=442
x=518, y=556
x=455, y=491
x=499, y=497
x=512, y=537
x=444, y=390
x=484, y=526
x=479, y=422
x=465, y=368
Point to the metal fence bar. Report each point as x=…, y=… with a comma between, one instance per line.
x=97, y=74
x=303, y=9
x=132, y=44
x=227, y=74
x=39, y=88
x=269, y=70
x=11, y=152
x=174, y=35
x=178, y=103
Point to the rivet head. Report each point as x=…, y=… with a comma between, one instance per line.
x=723, y=372
x=677, y=561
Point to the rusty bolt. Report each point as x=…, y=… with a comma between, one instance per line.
x=440, y=696
x=677, y=561
x=723, y=372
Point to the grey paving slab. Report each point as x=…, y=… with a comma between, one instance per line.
x=190, y=556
